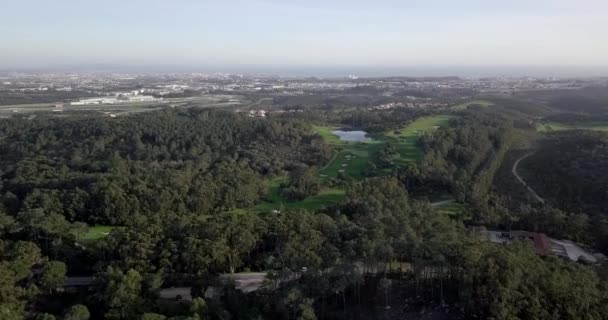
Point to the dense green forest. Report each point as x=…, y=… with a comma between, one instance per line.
x=570, y=170
x=177, y=187
x=97, y=170
x=589, y=100
x=574, y=169
x=563, y=162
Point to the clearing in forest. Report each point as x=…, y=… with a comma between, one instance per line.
x=95, y=233
x=274, y=201
x=466, y=105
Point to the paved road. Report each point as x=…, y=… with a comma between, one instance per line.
x=522, y=181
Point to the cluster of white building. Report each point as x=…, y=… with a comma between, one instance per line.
x=392, y=105
x=118, y=98
x=257, y=113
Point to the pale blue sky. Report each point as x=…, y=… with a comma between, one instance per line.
x=304, y=32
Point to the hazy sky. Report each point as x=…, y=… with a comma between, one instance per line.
x=304, y=32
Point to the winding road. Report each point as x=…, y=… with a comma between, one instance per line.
x=522, y=181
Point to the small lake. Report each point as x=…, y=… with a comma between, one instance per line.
x=352, y=136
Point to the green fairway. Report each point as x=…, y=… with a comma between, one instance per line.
x=95, y=233
x=353, y=157
x=406, y=137
x=559, y=126
x=274, y=201
x=466, y=105
x=327, y=135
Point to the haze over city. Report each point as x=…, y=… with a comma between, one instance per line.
x=444, y=37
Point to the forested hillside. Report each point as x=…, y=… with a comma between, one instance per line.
x=587, y=100
x=101, y=170
x=462, y=159
x=175, y=190
x=570, y=170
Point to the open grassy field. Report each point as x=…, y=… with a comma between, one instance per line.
x=95, y=233
x=559, y=126
x=464, y=106
x=274, y=201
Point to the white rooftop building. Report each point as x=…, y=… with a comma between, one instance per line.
x=115, y=100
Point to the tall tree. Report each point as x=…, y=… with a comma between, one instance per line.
x=77, y=312
x=53, y=275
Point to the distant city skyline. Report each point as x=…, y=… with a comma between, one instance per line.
x=327, y=71
x=432, y=36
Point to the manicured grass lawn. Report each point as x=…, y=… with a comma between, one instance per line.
x=327, y=135
x=95, y=233
x=354, y=157
x=406, y=137
x=559, y=126
x=420, y=125
x=274, y=201
x=464, y=106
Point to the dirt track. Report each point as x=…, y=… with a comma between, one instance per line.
x=522, y=181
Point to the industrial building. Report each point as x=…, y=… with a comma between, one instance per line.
x=115, y=100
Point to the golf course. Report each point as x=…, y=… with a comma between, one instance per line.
x=352, y=158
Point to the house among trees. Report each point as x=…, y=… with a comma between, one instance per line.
x=542, y=244
x=539, y=241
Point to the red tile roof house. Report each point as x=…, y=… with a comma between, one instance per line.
x=539, y=241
